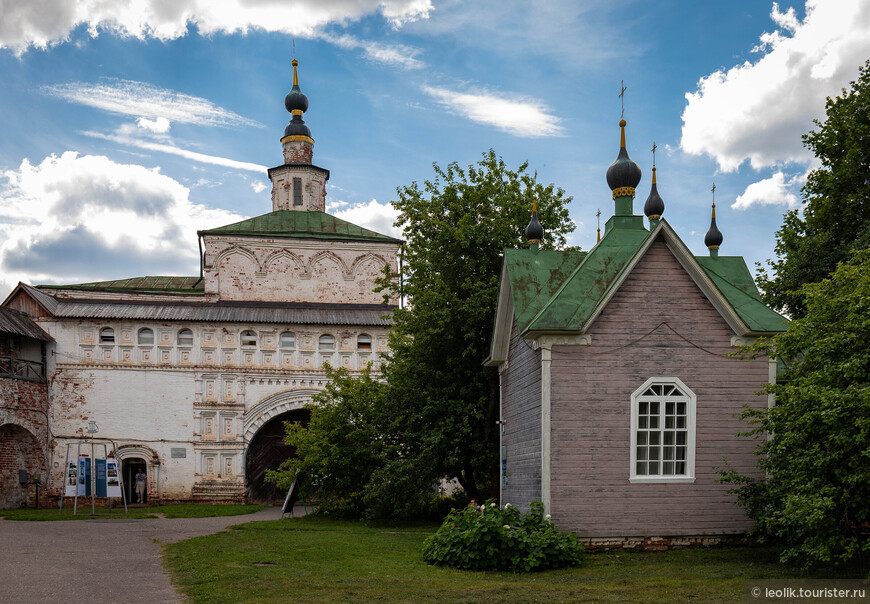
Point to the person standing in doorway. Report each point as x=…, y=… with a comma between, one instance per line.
x=140, y=486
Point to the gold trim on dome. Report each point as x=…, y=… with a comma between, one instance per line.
x=713, y=247
x=534, y=241
x=296, y=112
x=654, y=216
x=623, y=192
x=297, y=137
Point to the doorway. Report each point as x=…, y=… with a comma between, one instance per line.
x=133, y=466
x=267, y=451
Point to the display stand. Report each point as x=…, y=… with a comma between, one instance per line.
x=83, y=475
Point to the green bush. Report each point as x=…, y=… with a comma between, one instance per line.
x=492, y=538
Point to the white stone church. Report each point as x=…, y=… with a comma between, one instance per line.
x=193, y=377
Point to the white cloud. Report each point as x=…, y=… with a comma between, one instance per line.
x=398, y=55
x=773, y=191
x=378, y=217
x=159, y=126
x=171, y=149
x=157, y=106
x=258, y=186
x=81, y=218
x=758, y=111
x=522, y=117
x=45, y=22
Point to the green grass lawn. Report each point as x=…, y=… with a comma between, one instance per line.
x=193, y=510
x=317, y=560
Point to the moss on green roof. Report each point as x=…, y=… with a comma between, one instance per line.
x=535, y=276
x=150, y=284
x=573, y=304
x=301, y=225
x=560, y=291
x=733, y=279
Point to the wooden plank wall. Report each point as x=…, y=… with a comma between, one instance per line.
x=521, y=412
x=592, y=387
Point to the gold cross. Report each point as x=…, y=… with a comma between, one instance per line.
x=654, y=153
x=713, y=190
x=622, y=98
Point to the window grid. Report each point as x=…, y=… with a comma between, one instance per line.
x=297, y=191
x=662, y=432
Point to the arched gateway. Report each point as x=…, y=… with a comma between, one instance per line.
x=264, y=433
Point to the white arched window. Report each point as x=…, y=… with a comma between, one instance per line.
x=663, y=432
x=248, y=338
x=146, y=336
x=287, y=340
x=107, y=335
x=326, y=344
x=185, y=338
x=364, y=342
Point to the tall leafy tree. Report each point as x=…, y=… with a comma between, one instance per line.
x=836, y=212
x=456, y=227
x=816, y=494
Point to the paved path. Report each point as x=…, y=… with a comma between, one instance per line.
x=97, y=560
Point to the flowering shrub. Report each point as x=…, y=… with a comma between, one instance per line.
x=490, y=538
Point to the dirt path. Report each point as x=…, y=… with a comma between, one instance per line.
x=97, y=560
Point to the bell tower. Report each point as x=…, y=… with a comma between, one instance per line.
x=297, y=184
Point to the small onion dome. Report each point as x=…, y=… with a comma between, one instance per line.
x=295, y=99
x=534, y=232
x=655, y=205
x=713, y=238
x=296, y=103
x=623, y=174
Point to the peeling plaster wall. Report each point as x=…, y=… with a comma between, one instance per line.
x=238, y=268
x=206, y=399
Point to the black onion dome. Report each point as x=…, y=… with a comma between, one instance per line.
x=296, y=99
x=713, y=238
x=534, y=231
x=655, y=205
x=297, y=127
x=623, y=172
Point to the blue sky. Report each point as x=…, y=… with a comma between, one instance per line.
x=128, y=126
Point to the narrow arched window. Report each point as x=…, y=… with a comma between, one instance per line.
x=287, y=340
x=248, y=338
x=107, y=335
x=326, y=343
x=185, y=337
x=364, y=342
x=146, y=335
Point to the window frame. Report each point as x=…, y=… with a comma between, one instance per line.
x=281, y=340
x=139, y=341
x=108, y=333
x=298, y=196
x=691, y=403
x=363, y=345
x=178, y=341
x=320, y=348
x=248, y=333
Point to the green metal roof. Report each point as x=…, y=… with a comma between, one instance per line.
x=574, y=302
x=535, y=276
x=733, y=279
x=560, y=291
x=302, y=225
x=151, y=284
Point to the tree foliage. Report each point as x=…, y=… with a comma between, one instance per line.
x=351, y=454
x=378, y=448
x=816, y=497
x=456, y=227
x=836, y=212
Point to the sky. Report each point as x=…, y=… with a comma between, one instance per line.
x=129, y=125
